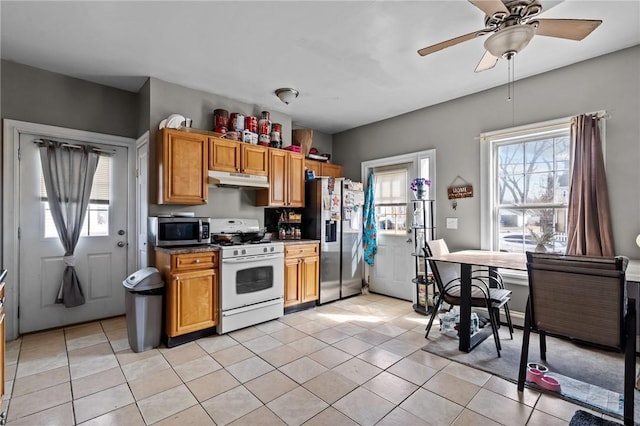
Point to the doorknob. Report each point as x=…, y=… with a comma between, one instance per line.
x=121, y=244
x=121, y=232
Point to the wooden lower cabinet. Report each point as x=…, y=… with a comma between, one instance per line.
x=192, y=292
x=301, y=274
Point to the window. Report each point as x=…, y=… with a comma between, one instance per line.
x=96, y=222
x=529, y=177
x=391, y=200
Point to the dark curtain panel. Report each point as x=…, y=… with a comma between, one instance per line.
x=68, y=177
x=589, y=228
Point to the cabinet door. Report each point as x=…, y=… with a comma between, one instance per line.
x=309, y=284
x=182, y=168
x=255, y=160
x=296, y=180
x=314, y=166
x=292, y=277
x=191, y=301
x=332, y=170
x=224, y=155
x=276, y=194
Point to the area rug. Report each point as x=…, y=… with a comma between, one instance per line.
x=590, y=377
x=582, y=418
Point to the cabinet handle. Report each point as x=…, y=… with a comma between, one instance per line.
x=177, y=278
x=197, y=260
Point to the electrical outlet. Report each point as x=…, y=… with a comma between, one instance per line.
x=452, y=223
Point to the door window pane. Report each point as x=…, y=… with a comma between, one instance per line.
x=96, y=222
x=391, y=189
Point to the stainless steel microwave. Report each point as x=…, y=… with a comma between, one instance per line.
x=178, y=231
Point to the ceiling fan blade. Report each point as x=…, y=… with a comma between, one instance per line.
x=443, y=45
x=572, y=29
x=487, y=62
x=489, y=7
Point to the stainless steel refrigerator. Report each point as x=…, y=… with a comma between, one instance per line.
x=333, y=215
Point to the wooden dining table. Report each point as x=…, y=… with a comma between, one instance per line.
x=494, y=260
x=467, y=259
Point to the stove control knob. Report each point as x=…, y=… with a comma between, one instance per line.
x=264, y=249
x=271, y=248
x=244, y=251
x=235, y=252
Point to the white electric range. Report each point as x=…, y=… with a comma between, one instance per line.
x=251, y=274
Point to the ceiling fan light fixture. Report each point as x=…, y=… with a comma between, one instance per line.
x=287, y=94
x=508, y=41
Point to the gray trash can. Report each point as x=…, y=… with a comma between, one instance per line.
x=143, y=307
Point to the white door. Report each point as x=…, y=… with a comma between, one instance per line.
x=393, y=268
x=101, y=253
x=394, y=264
x=142, y=175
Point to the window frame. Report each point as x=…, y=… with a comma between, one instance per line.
x=488, y=185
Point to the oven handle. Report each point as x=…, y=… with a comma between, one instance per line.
x=252, y=258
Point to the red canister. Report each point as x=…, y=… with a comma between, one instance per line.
x=251, y=124
x=220, y=118
x=264, y=124
x=222, y=130
x=236, y=122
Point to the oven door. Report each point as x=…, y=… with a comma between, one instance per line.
x=253, y=279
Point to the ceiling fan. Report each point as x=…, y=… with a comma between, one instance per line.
x=512, y=25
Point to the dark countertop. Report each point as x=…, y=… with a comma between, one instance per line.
x=206, y=248
x=302, y=241
x=187, y=249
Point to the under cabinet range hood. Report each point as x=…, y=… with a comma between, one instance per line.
x=237, y=180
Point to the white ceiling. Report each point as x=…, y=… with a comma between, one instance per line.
x=354, y=62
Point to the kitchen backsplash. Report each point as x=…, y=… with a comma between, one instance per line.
x=223, y=203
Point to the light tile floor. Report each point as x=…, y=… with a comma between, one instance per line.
x=355, y=361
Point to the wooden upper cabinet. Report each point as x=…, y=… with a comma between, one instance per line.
x=332, y=170
x=255, y=159
x=224, y=155
x=296, y=180
x=314, y=166
x=182, y=167
x=286, y=180
x=238, y=157
x=324, y=169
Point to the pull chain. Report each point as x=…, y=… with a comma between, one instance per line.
x=511, y=86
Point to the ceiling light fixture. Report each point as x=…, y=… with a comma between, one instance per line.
x=287, y=94
x=506, y=43
x=509, y=41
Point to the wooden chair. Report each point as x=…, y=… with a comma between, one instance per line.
x=581, y=298
x=447, y=278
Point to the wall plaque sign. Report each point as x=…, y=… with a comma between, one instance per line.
x=463, y=191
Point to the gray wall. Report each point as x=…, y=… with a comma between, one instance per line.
x=610, y=82
x=38, y=96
